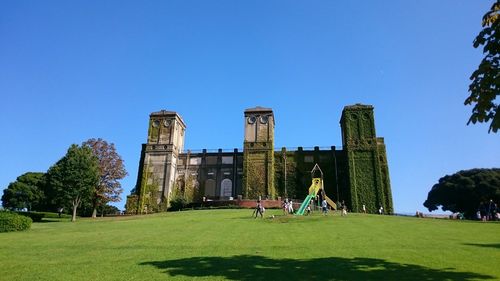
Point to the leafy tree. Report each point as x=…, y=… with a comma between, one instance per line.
x=25, y=192
x=464, y=191
x=74, y=177
x=485, y=87
x=111, y=170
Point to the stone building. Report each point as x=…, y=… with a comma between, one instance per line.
x=356, y=173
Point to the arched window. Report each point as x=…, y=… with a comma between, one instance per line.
x=210, y=188
x=226, y=188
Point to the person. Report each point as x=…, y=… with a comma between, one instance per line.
x=308, y=210
x=343, y=208
x=381, y=210
x=364, y=208
x=290, y=207
x=491, y=210
x=258, y=209
x=483, y=211
x=324, y=207
x=285, y=207
x=59, y=211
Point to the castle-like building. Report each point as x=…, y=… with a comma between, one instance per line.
x=356, y=173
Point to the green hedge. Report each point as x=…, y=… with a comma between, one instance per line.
x=14, y=222
x=51, y=215
x=35, y=217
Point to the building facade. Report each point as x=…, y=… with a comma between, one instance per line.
x=357, y=173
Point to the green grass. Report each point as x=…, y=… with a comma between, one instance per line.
x=228, y=244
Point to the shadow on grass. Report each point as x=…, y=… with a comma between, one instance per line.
x=494, y=245
x=251, y=268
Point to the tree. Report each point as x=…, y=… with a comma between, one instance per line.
x=25, y=192
x=485, y=87
x=74, y=177
x=111, y=170
x=464, y=191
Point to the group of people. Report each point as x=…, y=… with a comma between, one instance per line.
x=287, y=207
x=488, y=211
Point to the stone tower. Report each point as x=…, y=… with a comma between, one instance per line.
x=258, y=153
x=157, y=167
x=368, y=172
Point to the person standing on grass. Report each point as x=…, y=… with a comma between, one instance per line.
x=492, y=208
x=258, y=209
x=343, y=209
x=308, y=210
x=285, y=207
x=324, y=207
x=364, y=208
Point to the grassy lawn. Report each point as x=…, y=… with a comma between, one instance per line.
x=229, y=244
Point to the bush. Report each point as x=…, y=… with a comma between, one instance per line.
x=51, y=215
x=14, y=222
x=178, y=203
x=35, y=216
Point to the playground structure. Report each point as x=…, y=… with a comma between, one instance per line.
x=314, y=189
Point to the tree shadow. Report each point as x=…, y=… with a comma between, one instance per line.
x=494, y=245
x=251, y=268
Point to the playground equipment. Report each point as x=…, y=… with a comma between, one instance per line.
x=316, y=186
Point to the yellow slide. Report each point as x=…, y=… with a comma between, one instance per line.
x=315, y=186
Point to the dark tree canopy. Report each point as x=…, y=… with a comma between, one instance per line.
x=25, y=192
x=111, y=170
x=485, y=87
x=74, y=177
x=464, y=191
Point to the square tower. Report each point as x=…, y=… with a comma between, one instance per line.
x=157, y=167
x=366, y=160
x=258, y=153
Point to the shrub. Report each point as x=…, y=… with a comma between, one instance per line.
x=13, y=222
x=35, y=216
x=51, y=215
x=178, y=203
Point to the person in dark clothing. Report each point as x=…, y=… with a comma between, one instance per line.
x=258, y=209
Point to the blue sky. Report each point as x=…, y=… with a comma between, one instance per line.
x=74, y=70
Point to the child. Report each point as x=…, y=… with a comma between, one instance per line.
x=258, y=209
x=324, y=206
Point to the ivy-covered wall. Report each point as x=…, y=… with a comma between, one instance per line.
x=258, y=172
x=366, y=161
x=258, y=154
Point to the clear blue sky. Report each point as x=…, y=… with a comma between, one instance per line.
x=74, y=70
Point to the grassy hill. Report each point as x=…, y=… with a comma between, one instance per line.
x=230, y=245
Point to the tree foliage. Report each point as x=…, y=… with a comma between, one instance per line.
x=111, y=170
x=74, y=177
x=464, y=191
x=25, y=192
x=485, y=87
